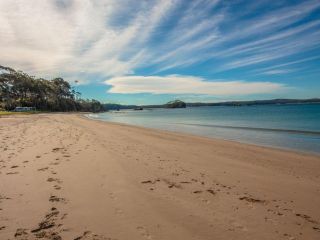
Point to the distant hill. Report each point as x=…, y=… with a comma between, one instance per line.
x=178, y=103
x=257, y=102
x=175, y=104
x=113, y=106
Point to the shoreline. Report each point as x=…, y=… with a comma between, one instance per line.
x=64, y=175
x=316, y=154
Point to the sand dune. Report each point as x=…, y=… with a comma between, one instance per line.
x=66, y=177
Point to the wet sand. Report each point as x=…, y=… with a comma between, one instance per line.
x=63, y=176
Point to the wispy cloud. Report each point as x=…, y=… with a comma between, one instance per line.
x=276, y=51
x=278, y=71
x=117, y=39
x=74, y=36
x=176, y=84
x=290, y=63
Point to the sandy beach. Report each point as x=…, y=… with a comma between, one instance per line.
x=63, y=176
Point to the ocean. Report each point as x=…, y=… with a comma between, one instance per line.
x=295, y=127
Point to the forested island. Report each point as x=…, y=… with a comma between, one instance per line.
x=19, y=89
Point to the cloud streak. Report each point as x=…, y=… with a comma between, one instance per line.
x=176, y=84
x=92, y=41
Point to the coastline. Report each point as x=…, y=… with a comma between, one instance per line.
x=85, y=178
x=239, y=141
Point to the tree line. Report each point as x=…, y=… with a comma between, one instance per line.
x=19, y=89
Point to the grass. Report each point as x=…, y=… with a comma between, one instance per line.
x=5, y=113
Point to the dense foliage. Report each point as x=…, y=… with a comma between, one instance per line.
x=20, y=89
x=175, y=104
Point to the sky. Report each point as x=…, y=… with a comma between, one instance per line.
x=154, y=51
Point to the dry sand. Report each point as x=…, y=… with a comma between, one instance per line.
x=66, y=177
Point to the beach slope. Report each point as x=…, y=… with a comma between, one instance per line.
x=63, y=176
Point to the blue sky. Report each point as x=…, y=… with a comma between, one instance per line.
x=147, y=52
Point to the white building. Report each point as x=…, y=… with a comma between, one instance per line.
x=24, y=109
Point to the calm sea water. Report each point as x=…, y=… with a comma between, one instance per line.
x=295, y=127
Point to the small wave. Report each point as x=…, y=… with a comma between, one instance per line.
x=91, y=115
x=292, y=131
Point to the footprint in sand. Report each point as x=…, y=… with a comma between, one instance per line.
x=172, y=184
x=307, y=218
x=54, y=163
x=112, y=196
x=119, y=211
x=211, y=191
x=197, y=191
x=43, y=169
x=50, y=179
x=57, y=149
x=185, y=182
x=252, y=200
x=151, y=181
x=54, y=198
x=316, y=228
x=21, y=233
x=144, y=232
x=87, y=235
x=48, y=228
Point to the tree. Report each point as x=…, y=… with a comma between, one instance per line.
x=20, y=89
x=175, y=104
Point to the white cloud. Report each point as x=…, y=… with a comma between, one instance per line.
x=94, y=40
x=176, y=84
x=277, y=51
x=287, y=64
x=278, y=71
x=272, y=41
x=67, y=37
